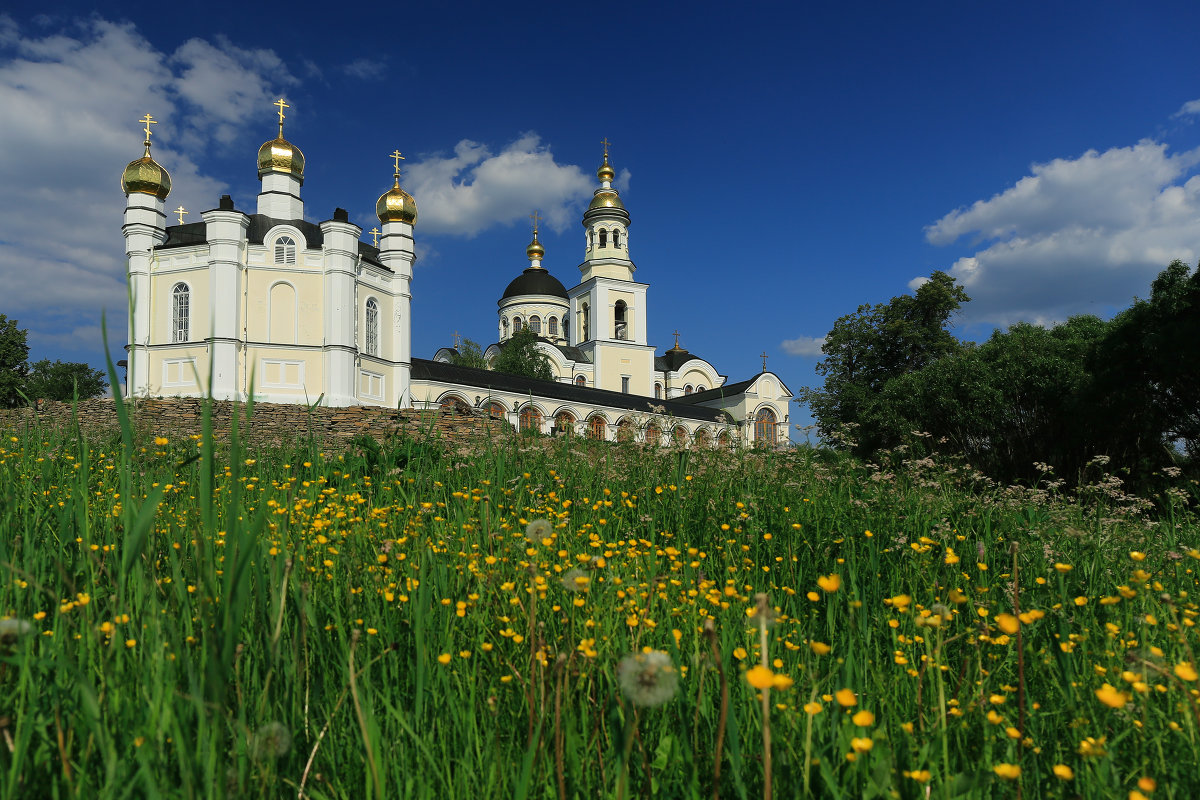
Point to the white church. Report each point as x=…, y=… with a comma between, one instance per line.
x=296, y=311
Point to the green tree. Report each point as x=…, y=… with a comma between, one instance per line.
x=469, y=355
x=874, y=345
x=520, y=356
x=60, y=380
x=14, y=357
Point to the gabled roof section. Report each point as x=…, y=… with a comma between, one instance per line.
x=729, y=390
x=487, y=380
x=194, y=233
x=673, y=359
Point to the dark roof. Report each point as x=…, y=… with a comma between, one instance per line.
x=535, y=280
x=728, y=390
x=194, y=233
x=423, y=369
x=672, y=360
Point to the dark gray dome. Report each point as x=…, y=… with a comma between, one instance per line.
x=535, y=280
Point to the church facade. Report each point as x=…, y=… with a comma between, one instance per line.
x=302, y=312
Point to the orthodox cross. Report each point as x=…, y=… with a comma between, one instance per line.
x=457, y=340
x=181, y=211
x=282, y=105
x=763, y=356
x=676, y=340
x=148, y=120
x=375, y=234
x=396, y=157
x=606, y=143
x=534, y=216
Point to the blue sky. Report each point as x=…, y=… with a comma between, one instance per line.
x=782, y=163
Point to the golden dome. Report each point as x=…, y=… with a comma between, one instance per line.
x=606, y=198
x=280, y=155
x=146, y=176
x=397, y=205
x=605, y=173
x=535, y=249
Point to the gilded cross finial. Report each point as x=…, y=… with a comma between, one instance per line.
x=606, y=143
x=397, y=158
x=676, y=339
x=763, y=356
x=282, y=105
x=375, y=235
x=181, y=211
x=148, y=121
x=535, y=217
x=457, y=340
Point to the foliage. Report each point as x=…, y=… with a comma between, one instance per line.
x=63, y=380
x=469, y=355
x=874, y=345
x=14, y=355
x=520, y=356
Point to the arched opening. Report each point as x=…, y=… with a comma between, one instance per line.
x=580, y=380
x=680, y=436
x=285, y=250
x=724, y=440
x=564, y=424
x=504, y=327
x=653, y=434
x=688, y=389
x=552, y=326
x=603, y=237
x=451, y=404
x=625, y=431
x=765, y=426
x=658, y=391
x=181, y=312
x=372, y=344
x=517, y=325
x=616, y=238
x=585, y=322
x=495, y=410
x=620, y=322
x=535, y=325
x=530, y=419
x=699, y=389
x=703, y=438
x=281, y=314
x=597, y=428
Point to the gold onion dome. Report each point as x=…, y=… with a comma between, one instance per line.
x=146, y=176
x=606, y=198
x=397, y=205
x=535, y=249
x=280, y=155
x=605, y=173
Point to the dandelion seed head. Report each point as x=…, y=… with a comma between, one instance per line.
x=272, y=740
x=13, y=629
x=537, y=530
x=648, y=679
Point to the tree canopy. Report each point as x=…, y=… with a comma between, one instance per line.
x=520, y=356
x=42, y=380
x=470, y=354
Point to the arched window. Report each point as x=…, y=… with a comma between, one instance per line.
x=531, y=419
x=616, y=238
x=765, y=425
x=703, y=438
x=372, y=348
x=285, y=250
x=585, y=322
x=591, y=239
x=680, y=435
x=699, y=389
x=688, y=389
x=625, y=431
x=552, y=325
x=504, y=325
x=597, y=428
x=495, y=410
x=564, y=423
x=580, y=380
x=724, y=440
x=535, y=325
x=620, y=323
x=517, y=325
x=603, y=237
x=454, y=405
x=658, y=391
x=653, y=435
x=181, y=312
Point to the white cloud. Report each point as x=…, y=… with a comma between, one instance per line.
x=1080, y=235
x=71, y=100
x=1188, y=108
x=805, y=346
x=365, y=68
x=474, y=189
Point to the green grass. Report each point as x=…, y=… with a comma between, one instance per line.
x=211, y=621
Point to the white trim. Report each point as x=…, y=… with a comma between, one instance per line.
x=187, y=361
x=283, y=364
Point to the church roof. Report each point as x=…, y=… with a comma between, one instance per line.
x=728, y=390
x=194, y=233
x=424, y=369
x=673, y=359
x=535, y=280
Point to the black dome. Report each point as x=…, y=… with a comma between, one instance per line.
x=535, y=280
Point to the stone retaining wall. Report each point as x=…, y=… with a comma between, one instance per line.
x=270, y=423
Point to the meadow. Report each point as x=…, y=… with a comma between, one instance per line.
x=565, y=619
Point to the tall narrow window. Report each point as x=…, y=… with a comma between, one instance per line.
x=504, y=327
x=658, y=391
x=764, y=426
x=591, y=239
x=585, y=322
x=597, y=428
x=580, y=380
x=530, y=419
x=372, y=327
x=535, y=325
x=517, y=325
x=624, y=384
x=181, y=313
x=616, y=238
x=552, y=325
x=285, y=250
x=620, y=325
x=604, y=237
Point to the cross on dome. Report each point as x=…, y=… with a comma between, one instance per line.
x=282, y=105
x=763, y=356
x=148, y=120
x=375, y=235
x=606, y=143
x=397, y=158
x=535, y=217
x=181, y=211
